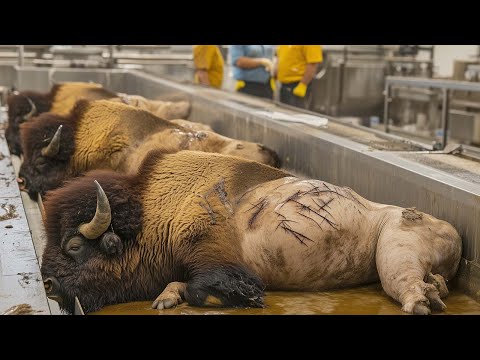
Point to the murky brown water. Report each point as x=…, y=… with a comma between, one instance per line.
x=368, y=300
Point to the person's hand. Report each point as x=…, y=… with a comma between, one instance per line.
x=239, y=84
x=267, y=63
x=272, y=84
x=300, y=90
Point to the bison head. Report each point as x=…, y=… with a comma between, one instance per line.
x=22, y=107
x=89, y=240
x=252, y=151
x=48, y=144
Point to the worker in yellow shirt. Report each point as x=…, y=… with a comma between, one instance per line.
x=208, y=62
x=296, y=68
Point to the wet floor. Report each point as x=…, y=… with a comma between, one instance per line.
x=368, y=300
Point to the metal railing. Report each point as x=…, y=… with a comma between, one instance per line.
x=445, y=85
x=20, y=55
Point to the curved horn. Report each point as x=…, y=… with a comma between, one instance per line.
x=103, y=216
x=33, y=111
x=52, y=149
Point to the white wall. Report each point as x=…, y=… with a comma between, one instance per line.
x=445, y=55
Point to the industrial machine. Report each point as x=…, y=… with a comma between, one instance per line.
x=352, y=77
x=350, y=82
x=417, y=111
x=465, y=105
x=145, y=57
x=170, y=61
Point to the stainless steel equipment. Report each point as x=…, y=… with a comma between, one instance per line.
x=460, y=67
x=466, y=126
x=465, y=105
x=352, y=78
x=409, y=66
x=350, y=82
x=416, y=112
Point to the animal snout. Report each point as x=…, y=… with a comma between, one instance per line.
x=273, y=156
x=52, y=288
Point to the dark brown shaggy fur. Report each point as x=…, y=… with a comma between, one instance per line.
x=209, y=265
x=73, y=204
x=109, y=135
x=43, y=173
x=120, y=190
x=18, y=107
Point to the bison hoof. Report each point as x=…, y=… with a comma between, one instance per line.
x=440, y=284
x=167, y=301
x=417, y=308
x=111, y=244
x=421, y=309
x=171, y=296
x=435, y=302
x=424, y=297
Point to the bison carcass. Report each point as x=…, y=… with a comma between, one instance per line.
x=217, y=230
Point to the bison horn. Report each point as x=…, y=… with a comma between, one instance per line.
x=52, y=149
x=33, y=111
x=102, y=218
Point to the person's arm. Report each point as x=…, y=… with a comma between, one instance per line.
x=275, y=65
x=203, y=77
x=248, y=63
x=202, y=60
x=244, y=62
x=313, y=55
x=310, y=71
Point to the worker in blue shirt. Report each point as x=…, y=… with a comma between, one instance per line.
x=252, y=67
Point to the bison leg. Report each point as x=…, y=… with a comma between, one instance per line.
x=402, y=266
x=171, y=296
x=227, y=286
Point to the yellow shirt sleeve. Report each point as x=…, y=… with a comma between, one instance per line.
x=202, y=57
x=208, y=58
x=313, y=53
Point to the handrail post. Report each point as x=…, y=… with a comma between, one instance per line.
x=20, y=55
x=445, y=115
x=111, y=60
x=385, y=106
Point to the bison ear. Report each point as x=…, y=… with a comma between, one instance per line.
x=102, y=218
x=54, y=146
x=111, y=244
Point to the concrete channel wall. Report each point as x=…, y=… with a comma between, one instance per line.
x=382, y=176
